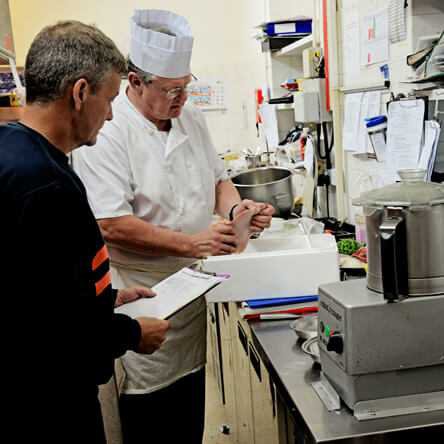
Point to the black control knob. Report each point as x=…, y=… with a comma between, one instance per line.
x=336, y=343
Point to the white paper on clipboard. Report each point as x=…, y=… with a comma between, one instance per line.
x=404, y=134
x=172, y=294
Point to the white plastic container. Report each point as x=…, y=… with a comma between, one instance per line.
x=276, y=267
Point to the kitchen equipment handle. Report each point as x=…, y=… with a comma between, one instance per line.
x=394, y=264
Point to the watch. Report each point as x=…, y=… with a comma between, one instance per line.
x=231, y=213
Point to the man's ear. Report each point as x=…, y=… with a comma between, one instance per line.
x=80, y=92
x=134, y=81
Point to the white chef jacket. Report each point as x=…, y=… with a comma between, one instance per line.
x=168, y=179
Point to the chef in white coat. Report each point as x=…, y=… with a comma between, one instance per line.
x=154, y=181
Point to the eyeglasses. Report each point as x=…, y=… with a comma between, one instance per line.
x=173, y=93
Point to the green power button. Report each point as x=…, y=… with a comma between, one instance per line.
x=327, y=331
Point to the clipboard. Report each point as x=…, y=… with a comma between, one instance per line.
x=405, y=133
x=406, y=100
x=173, y=294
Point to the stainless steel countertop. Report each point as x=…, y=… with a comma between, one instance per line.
x=277, y=344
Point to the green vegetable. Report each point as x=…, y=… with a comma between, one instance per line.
x=348, y=246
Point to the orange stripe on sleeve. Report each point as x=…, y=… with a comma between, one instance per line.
x=103, y=283
x=101, y=256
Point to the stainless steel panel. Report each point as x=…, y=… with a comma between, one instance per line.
x=379, y=336
x=261, y=176
x=425, y=240
x=383, y=408
x=356, y=388
x=293, y=373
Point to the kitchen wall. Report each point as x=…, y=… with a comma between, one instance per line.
x=224, y=48
x=424, y=17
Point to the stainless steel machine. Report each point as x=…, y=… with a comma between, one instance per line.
x=381, y=340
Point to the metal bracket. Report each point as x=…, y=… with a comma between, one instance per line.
x=327, y=394
x=400, y=405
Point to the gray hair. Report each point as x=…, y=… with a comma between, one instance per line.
x=65, y=52
x=146, y=77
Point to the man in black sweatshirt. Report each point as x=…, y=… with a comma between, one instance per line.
x=60, y=333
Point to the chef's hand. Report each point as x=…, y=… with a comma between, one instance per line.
x=131, y=294
x=263, y=217
x=262, y=220
x=247, y=204
x=153, y=334
x=217, y=240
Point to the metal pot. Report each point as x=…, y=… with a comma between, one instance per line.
x=270, y=185
x=405, y=234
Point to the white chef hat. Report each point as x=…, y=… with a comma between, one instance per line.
x=154, y=50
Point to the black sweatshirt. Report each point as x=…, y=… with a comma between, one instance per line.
x=56, y=292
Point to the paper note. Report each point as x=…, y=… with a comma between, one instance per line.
x=404, y=134
x=397, y=21
x=352, y=113
x=270, y=124
x=374, y=38
x=172, y=294
x=207, y=95
x=370, y=107
x=350, y=59
x=357, y=108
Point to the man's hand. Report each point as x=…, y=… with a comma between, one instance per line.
x=153, y=334
x=262, y=218
x=217, y=240
x=131, y=294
